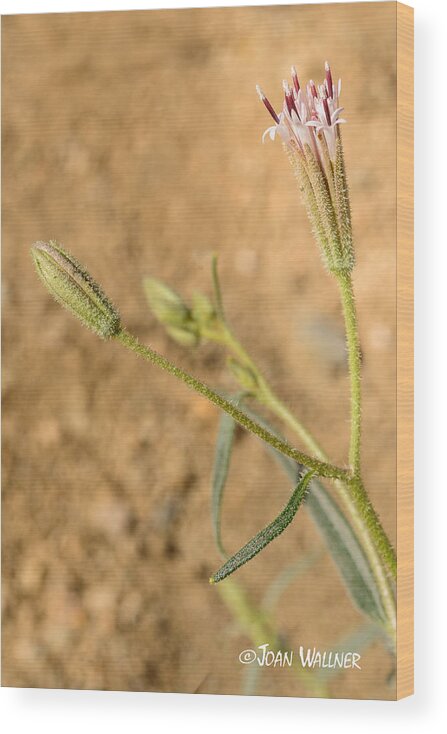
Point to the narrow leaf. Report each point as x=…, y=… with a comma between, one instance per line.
x=218, y=302
x=222, y=457
x=346, y=552
x=339, y=538
x=267, y=534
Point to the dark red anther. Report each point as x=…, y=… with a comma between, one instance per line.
x=326, y=109
x=270, y=109
x=267, y=104
x=313, y=89
x=290, y=102
x=329, y=84
x=296, y=83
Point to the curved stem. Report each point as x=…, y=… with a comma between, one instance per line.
x=320, y=468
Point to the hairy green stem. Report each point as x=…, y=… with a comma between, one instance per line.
x=268, y=398
x=320, y=468
x=355, y=493
x=362, y=526
x=354, y=362
x=352, y=493
x=370, y=518
x=357, y=490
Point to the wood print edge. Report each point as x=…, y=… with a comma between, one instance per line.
x=405, y=295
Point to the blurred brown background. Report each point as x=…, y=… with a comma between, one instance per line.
x=134, y=139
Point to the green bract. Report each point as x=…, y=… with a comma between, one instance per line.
x=169, y=309
x=75, y=289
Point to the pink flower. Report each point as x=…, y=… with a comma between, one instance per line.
x=308, y=117
x=308, y=126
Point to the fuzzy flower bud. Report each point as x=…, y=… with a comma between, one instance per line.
x=309, y=127
x=169, y=309
x=203, y=311
x=243, y=374
x=75, y=289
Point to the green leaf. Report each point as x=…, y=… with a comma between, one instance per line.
x=338, y=535
x=346, y=552
x=217, y=290
x=222, y=457
x=267, y=534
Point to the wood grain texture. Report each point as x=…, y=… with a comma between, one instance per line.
x=405, y=608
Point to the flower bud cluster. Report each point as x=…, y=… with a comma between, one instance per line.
x=186, y=325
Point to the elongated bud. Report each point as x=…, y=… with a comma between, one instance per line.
x=169, y=309
x=202, y=311
x=243, y=374
x=165, y=304
x=75, y=289
x=185, y=336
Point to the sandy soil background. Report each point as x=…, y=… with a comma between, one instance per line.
x=134, y=139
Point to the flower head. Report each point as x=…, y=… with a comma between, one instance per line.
x=308, y=126
x=309, y=116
